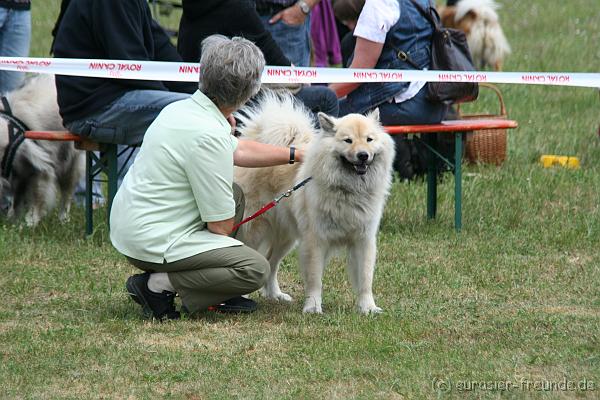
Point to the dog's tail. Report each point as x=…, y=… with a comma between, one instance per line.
x=277, y=118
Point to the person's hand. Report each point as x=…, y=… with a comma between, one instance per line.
x=292, y=15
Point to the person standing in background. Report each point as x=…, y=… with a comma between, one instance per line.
x=15, y=38
x=288, y=21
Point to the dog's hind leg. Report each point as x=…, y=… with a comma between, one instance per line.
x=271, y=289
x=361, y=266
x=313, y=257
x=67, y=181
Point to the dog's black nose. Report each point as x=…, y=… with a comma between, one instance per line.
x=363, y=156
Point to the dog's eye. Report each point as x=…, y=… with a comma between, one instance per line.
x=348, y=140
x=369, y=139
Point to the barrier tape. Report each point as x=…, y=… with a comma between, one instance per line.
x=188, y=72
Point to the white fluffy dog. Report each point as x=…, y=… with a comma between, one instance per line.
x=350, y=162
x=479, y=20
x=42, y=171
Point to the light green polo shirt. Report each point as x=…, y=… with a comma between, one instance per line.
x=181, y=179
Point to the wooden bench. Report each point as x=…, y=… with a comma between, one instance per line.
x=459, y=128
x=107, y=161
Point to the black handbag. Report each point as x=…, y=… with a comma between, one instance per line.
x=449, y=52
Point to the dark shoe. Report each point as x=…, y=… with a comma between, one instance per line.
x=156, y=305
x=235, y=305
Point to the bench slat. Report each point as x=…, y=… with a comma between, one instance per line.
x=444, y=126
x=453, y=126
x=62, y=136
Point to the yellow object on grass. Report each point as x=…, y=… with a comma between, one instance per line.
x=563, y=161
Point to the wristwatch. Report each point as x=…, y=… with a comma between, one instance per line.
x=304, y=7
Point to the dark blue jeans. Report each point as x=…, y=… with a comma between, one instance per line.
x=319, y=99
x=417, y=110
x=15, y=35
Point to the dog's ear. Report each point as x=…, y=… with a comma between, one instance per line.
x=327, y=124
x=374, y=115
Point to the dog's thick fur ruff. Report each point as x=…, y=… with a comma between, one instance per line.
x=479, y=20
x=340, y=208
x=42, y=170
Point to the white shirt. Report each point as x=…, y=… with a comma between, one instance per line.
x=375, y=21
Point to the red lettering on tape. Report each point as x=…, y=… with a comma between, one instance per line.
x=279, y=72
x=102, y=66
x=390, y=76
x=130, y=67
x=364, y=75
x=533, y=78
x=188, y=69
x=305, y=73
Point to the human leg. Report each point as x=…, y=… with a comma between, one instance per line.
x=411, y=158
x=214, y=276
x=15, y=38
x=126, y=120
x=319, y=99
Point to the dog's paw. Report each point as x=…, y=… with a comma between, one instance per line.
x=284, y=297
x=312, y=310
x=311, y=306
x=366, y=305
x=276, y=295
x=370, y=310
x=63, y=218
x=32, y=218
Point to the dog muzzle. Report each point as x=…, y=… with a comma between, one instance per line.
x=360, y=166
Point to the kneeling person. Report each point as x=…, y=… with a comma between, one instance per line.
x=173, y=215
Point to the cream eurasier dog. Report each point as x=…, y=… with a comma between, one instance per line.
x=42, y=171
x=350, y=162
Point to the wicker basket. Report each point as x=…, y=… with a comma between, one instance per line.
x=486, y=146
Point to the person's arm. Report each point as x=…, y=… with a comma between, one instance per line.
x=293, y=15
x=376, y=19
x=366, y=54
x=251, y=154
x=209, y=169
x=221, y=227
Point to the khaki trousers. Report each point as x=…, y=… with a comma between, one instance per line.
x=211, y=277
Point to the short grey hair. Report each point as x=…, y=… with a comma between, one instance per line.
x=230, y=70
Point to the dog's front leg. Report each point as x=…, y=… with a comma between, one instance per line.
x=271, y=289
x=312, y=257
x=361, y=266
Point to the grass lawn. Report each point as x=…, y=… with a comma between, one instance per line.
x=507, y=308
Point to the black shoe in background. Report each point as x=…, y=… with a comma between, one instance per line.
x=155, y=305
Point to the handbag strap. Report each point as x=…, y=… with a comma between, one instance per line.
x=435, y=23
x=405, y=56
